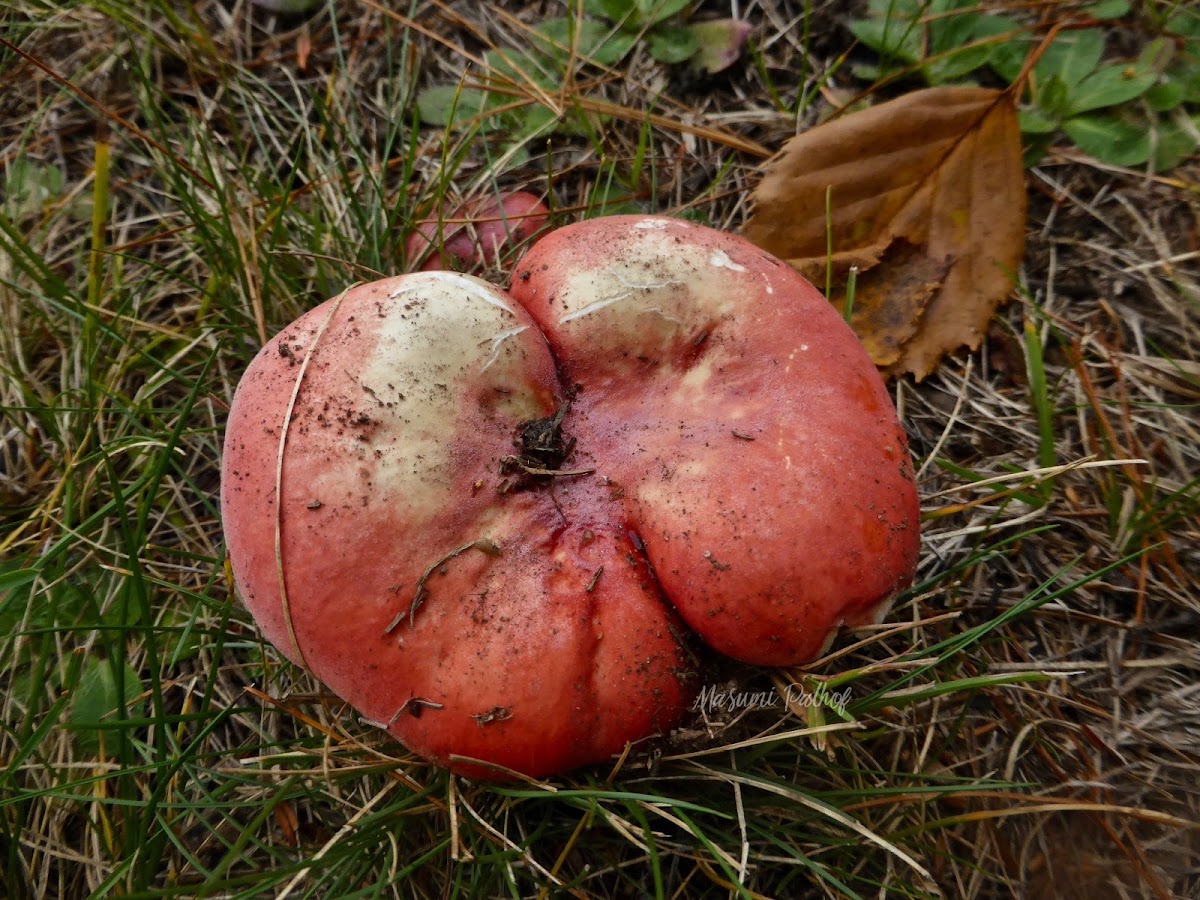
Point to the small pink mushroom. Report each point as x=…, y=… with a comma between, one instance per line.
x=477, y=233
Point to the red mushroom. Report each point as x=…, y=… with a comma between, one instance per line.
x=476, y=233
x=479, y=517
x=757, y=446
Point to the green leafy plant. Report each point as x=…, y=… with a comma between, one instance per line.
x=1138, y=112
x=665, y=41
x=711, y=46
x=499, y=96
x=942, y=41
x=105, y=695
x=30, y=188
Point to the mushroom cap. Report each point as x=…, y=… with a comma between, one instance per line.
x=386, y=483
x=476, y=233
x=760, y=455
x=484, y=519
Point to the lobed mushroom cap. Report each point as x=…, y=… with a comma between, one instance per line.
x=488, y=520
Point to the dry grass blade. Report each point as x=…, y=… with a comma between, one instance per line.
x=345, y=830
x=279, y=461
x=108, y=114
x=928, y=182
x=820, y=809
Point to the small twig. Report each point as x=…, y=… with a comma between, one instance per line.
x=414, y=706
x=495, y=714
x=374, y=274
x=483, y=545
x=534, y=470
x=452, y=805
x=595, y=577
x=712, y=560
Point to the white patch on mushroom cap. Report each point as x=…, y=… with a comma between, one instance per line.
x=720, y=259
x=650, y=224
x=481, y=290
x=686, y=478
x=628, y=291
x=497, y=340
x=644, y=297
x=437, y=333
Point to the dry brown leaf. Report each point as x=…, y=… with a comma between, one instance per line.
x=939, y=169
x=839, y=264
x=890, y=299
